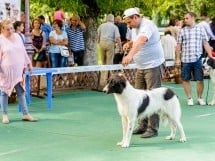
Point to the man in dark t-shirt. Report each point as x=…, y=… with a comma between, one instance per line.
x=122, y=31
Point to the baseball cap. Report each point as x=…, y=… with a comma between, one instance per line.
x=130, y=12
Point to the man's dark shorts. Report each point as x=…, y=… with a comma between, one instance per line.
x=192, y=71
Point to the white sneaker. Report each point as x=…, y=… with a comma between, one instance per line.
x=28, y=117
x=201, y=102
x=5, y=119
x=190, y=102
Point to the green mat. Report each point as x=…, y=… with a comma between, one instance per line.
x=85, y=126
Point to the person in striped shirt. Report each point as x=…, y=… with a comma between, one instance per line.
x=75, y=34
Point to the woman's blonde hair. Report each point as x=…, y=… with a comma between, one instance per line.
x=4, y=23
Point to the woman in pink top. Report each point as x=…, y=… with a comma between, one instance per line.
x=13, y=61
x=59, y=14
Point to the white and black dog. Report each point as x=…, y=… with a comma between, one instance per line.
x=133, y=103
x=209, y=67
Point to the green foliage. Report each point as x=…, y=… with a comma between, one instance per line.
x=117, y=6
x=49, y=6
x=38, y=8
x=151, y=8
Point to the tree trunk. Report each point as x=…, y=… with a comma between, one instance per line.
x=90, y=57
x=91, y=33
x=203, y=10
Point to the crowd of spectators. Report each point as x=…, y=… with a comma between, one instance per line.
x=110, y=40
x=112, y=34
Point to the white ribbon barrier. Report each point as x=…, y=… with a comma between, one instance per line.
x=92, y=68
x=100, y=68
x=50, y=71
x=43, y=71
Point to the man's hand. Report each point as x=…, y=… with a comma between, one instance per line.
x=126, y=60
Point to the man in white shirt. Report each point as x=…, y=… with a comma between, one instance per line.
x=147, y=53
x=205, y=24
x=169, y=45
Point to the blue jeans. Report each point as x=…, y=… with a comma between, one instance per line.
x=21, y=100
x=57, y=60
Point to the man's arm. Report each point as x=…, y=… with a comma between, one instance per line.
x=98, y=35
x=178, y=55
x=208, y=49
x=137, y=45
x=118, y=41
x=82, y=25
x=209, y=32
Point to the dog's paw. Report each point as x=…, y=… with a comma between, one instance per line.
x=169, y=137
x=119, y=143
x=183, y=139
x=125, y=145
x=211, y=103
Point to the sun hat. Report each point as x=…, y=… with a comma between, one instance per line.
x=130, y=12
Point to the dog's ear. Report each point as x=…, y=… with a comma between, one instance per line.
x=122, y=75
x=120, y=80
x=211, y=62
x=204, y=60
x=112, y=76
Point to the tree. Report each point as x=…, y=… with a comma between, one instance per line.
x=92, y=11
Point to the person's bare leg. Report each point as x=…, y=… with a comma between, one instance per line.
x=200, y=87
x=187, y=88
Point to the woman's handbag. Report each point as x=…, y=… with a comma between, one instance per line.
x=64, y=51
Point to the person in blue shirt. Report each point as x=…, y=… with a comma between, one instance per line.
x=46, y=28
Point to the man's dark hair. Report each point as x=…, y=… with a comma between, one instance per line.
x=192, y=14
x=213, y=20
x=167, y=32
x=172, y=22
x=41, y=17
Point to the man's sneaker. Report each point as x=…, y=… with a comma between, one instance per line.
x=190, y=102
x=29, y=118
x=139, y=130
x=149, y=134
x=5, y=119
x=201, y=102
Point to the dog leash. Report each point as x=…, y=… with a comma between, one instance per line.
x=207, y=91
x=124, y=54
x=213, y=54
